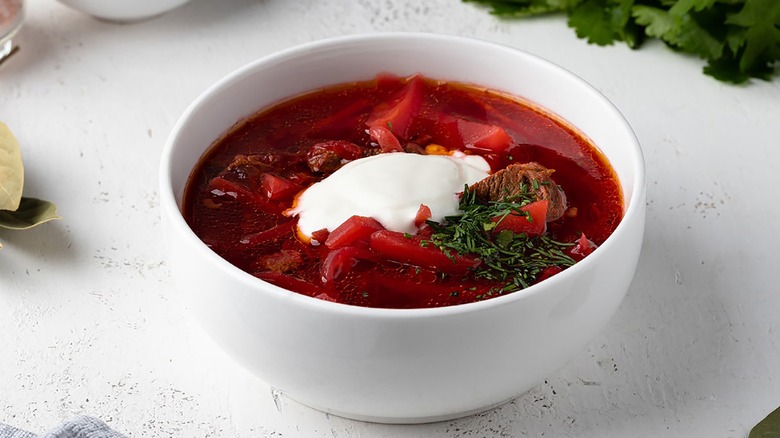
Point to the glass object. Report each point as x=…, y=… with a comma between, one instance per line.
x=11, y=16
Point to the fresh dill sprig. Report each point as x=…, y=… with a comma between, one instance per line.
x=515, y=260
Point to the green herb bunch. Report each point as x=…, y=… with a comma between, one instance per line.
x=513, y=259
x=739, y=39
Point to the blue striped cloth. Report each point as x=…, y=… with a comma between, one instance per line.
x=78, y=427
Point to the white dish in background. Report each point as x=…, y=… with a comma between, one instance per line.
x=123, y=10
x=11, y=19
x=402, y=366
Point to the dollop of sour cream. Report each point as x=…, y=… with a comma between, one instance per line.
x=389, y=188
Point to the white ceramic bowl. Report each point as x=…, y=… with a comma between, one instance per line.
x=123, y=10
x=391, y=365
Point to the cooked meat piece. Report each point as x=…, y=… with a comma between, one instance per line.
x=285, y=260
x=261, y=161
x=323, y=160
x=507, y=182
x=328, y=156
x=370, y=152
x=246, y=169
x=414, y=148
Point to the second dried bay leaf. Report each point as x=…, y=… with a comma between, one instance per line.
x=31, y=212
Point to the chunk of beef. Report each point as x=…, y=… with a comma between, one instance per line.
x=328, y=156
x=283, y=261
x=253, y=160
x=258, y=163
x=414, y=148
x=533, y=176
x=246, y=170
x=323, y=160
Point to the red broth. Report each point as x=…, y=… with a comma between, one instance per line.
x=236, y=208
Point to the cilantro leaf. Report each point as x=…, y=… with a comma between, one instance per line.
x=683, y=6
x=679, y=31
x=761, y=18
x=521, y=8
x=726, y=70
x=603, y=22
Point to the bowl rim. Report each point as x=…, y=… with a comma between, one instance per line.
x=169, y=205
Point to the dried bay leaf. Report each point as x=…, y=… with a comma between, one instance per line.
x=769, y=427
x=16, y=211
x=11, y=170
x=31, y=212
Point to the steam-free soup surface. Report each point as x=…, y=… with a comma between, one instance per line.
x=251, y=189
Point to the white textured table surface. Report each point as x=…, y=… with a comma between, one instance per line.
x=90, y=323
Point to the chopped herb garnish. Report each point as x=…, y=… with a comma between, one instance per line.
x=515, y=260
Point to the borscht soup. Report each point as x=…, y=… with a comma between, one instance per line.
x=403, y=192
